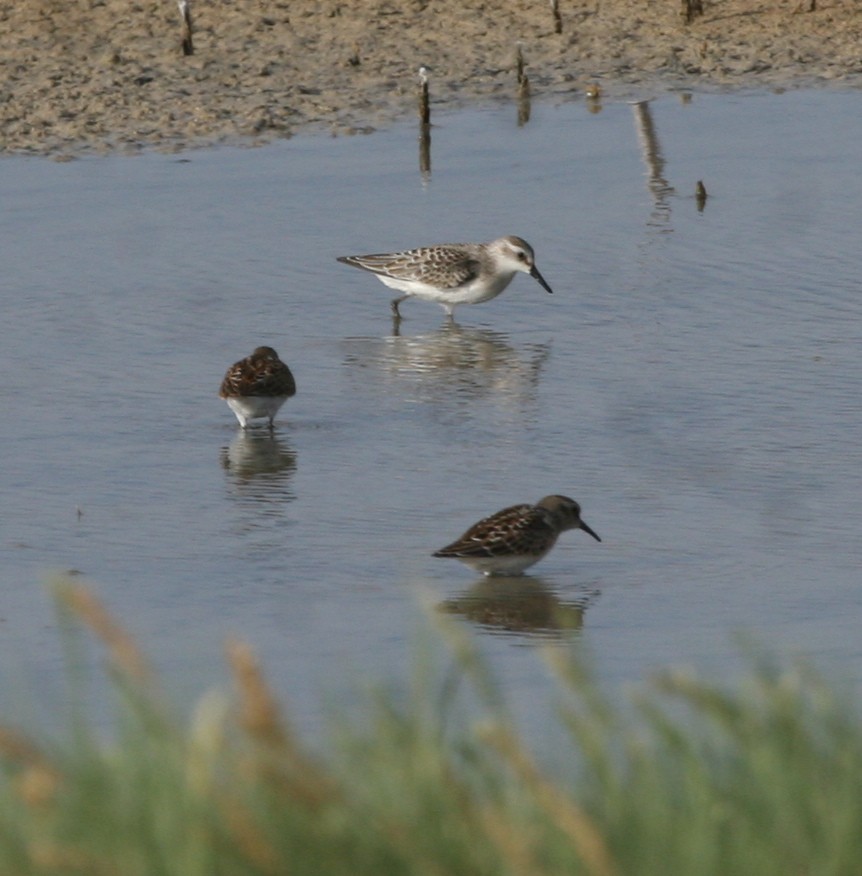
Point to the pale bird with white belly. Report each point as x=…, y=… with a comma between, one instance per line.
x=452, y=273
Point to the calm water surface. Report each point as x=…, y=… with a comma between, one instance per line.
x=694, y=382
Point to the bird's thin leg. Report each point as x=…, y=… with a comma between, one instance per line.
x=395, y=303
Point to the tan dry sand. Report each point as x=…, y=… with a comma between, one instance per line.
x=81, y=75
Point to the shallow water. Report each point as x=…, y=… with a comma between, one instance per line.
x=694, y=382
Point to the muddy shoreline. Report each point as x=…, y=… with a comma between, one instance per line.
x=109, y=75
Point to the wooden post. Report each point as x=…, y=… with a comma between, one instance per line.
x=523, y=89
x=424, y=129
x=558, y=21
x=186, y=15
x=690, y=9
x=424, y=106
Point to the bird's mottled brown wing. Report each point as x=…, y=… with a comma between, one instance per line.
x=264, y=377
x=445, y=266
x=519, y=529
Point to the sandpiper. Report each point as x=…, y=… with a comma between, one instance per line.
x=452, y=273
x=515, y=538
x=257, y=386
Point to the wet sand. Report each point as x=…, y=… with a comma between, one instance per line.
x=103, y=75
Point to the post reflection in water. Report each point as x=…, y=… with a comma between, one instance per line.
x=259, y=467
x=425, y=152
x=700, y=195
x=658, y=186
x=524, y=103
x=523, y=604
x=474, y=363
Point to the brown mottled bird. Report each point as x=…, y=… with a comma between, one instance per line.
x=515, y=538
x=257, y=386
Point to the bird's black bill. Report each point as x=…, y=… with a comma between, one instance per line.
x=534, y=273
x=587, y=529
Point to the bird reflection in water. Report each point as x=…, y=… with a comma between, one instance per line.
x=259, y=466
x=472, y=362
x=524, y=605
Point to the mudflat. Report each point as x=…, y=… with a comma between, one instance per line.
x=103, y=75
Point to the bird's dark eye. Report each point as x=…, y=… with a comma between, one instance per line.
x=522, y=257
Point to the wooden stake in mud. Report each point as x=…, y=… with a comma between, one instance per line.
x=558, y=21
x=424, y=106
x=519, y=67
x=424, y=126
x=186, y=15
x=523, y=90
x=690, y=9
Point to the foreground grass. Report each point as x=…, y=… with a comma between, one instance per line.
x=764, y=779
